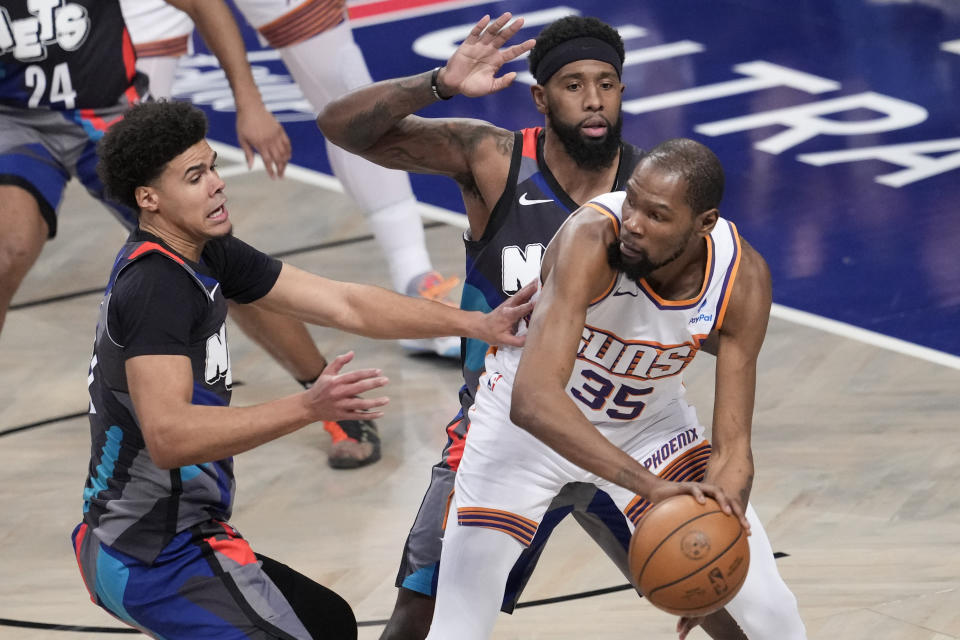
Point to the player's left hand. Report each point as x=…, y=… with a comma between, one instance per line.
x=258, y=130
x=501, y=323
x=663, y=489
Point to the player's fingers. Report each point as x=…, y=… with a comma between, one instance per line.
x=525, y=293
x=697, y=493
x=247, y=150
x=363, y=404
x=280, y=147
x=517, y=50
x=333, y=368
x=497, y=25
x=509, y=31
x=284, y=153
x=479, y=27
x=514, y=341
x=269, y=162
x=504, y=81
x=358, y=375
x=522, y=310
x=355, y=389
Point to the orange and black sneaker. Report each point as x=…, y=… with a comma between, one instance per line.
x=356, y=443
x=433, y=286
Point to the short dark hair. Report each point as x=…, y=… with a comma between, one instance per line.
x=135, y=150
x=698, y=165
x=568, y=28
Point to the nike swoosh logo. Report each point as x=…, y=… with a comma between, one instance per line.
x=625, y=293
x=524, y=201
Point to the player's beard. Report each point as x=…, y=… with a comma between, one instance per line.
x=590, y=154
x=638, y=269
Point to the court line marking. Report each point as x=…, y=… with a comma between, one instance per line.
x=951, y=46
x=796, y=316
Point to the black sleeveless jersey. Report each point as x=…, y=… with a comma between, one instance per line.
x=130, y=503
x=72, y=54
x=522, y=223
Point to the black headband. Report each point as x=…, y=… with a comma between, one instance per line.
x=586, y=48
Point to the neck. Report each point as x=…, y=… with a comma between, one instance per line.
x=579, y=183
x=189, y=248
x=682, y=279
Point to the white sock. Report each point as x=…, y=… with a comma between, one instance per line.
x=399, y=232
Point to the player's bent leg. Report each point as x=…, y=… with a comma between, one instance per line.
x=24, y=233
x=322, y=611
x=473, y=572
x=765, y=608
x=208, y=583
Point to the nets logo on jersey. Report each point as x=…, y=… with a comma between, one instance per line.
x=519, y=266
x=218, y=359
x=52, y=23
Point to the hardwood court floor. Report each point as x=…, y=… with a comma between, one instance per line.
x=856, y=449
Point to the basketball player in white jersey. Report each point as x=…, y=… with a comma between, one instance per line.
x=639, y=279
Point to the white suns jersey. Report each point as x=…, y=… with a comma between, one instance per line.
x=636, y=345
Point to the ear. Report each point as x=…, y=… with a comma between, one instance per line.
x=539, y=98
x=147, y=199
x=706, y=221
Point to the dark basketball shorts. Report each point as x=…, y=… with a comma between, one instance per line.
x=207, y=583
x=41, y=149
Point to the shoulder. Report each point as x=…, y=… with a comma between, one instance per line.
x=612, y=201
x=220, y=252
x=752, y=293
x=155, y=279
x=753, y=269
x=152, y=269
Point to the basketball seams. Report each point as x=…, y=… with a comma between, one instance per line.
x=689, y=575
x=666, y=538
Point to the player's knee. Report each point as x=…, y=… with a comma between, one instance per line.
x=775, y=618
x=338, y=619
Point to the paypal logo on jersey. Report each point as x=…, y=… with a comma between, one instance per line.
x=703, y=317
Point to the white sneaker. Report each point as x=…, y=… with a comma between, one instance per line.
x=448, y=347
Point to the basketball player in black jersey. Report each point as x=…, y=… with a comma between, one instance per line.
x=517, y=189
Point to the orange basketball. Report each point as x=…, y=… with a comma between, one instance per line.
x=688, y=558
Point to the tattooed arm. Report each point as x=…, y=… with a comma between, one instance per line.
x=377, y=121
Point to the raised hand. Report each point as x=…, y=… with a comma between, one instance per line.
x=473, y=67
x=335, y=395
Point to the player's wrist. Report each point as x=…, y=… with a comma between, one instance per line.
x=439, y=90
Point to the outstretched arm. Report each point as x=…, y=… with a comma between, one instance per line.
x=378, y=313
x=257, y=129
